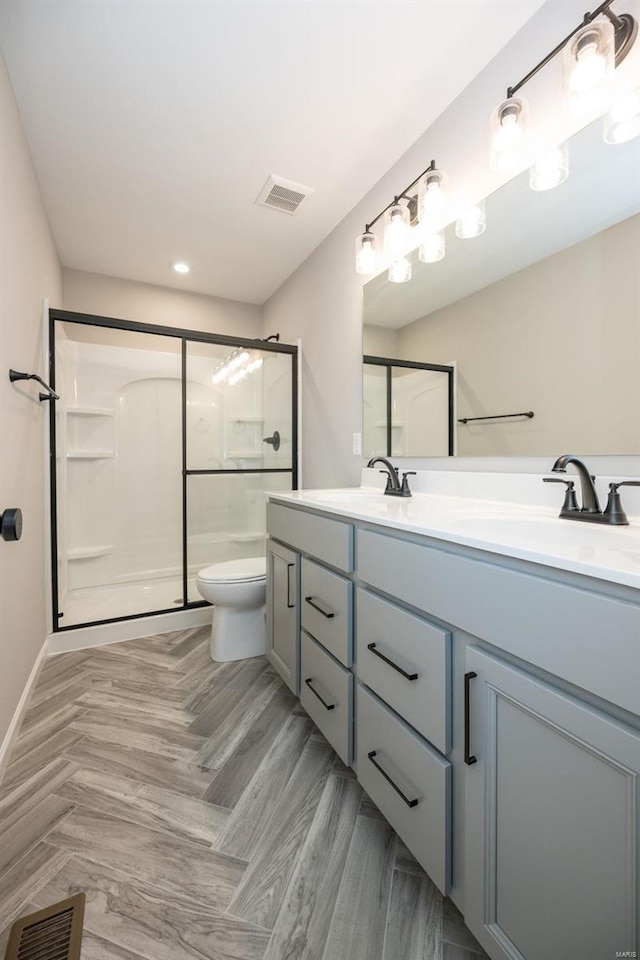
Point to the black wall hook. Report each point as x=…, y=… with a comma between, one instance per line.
x=49, y=395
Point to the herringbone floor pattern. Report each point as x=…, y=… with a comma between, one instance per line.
x=205, y=817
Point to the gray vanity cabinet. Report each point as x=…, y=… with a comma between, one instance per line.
x=283, y=592
x=551, y=820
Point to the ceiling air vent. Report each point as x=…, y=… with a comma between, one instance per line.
x=281, y=194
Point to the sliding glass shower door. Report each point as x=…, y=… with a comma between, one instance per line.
x=164, y=443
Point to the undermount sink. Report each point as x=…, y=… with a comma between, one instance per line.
x=550, y=532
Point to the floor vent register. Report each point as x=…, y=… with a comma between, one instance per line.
x=54, y=933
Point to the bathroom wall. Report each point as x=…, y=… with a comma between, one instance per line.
x=563, y=306
x=145, y=303
x=321, y=302
x=29, y=271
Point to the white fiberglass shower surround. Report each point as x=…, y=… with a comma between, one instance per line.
x=163, y=444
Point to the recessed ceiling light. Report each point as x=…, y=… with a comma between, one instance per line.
x=180, y=266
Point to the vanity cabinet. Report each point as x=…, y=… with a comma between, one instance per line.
x=551, y=807
x=491, y=709
x=282, y=609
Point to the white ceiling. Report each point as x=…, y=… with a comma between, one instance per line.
x=154, y=124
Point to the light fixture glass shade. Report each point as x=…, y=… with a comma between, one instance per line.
x=550, y=169
x=400, y=270
x=472, y=221
x=432, y=200
x=622, y=123
x=366, y=254
x=397, y=231
x=432, y=247
x=509, y=135
x=589, y=64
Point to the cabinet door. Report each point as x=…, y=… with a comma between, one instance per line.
x=283, y=605
x=551, y=820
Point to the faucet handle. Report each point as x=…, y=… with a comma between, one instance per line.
x=614, y=511
x=406, y=492
x=570, y=504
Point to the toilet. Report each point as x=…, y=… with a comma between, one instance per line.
x=237, y=590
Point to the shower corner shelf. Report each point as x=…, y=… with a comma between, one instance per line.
x=244, y=455
x=90, y=454
x=90, y=411
x=246, y=419
x=89, y=553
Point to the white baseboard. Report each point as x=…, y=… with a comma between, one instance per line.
x=85, y=637
x=21, y=709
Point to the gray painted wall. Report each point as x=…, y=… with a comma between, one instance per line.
x=29, y=271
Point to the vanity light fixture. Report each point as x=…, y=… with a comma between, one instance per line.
x=180, y=266
x=399, y=216
x=432, y=247
x=591, y=53
x=622, y=123
x=550, y=169
x=472, y=222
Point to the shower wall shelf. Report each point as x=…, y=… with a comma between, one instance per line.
x=89, y=553
x=90, y=454
x=90, y=411
x=246, y=419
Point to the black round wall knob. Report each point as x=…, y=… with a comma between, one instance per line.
x=11, y=523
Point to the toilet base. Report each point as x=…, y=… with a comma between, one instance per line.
x=238, y=634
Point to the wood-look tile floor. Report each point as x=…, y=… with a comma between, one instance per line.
x=204, y=816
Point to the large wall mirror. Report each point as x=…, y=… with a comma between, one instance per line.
x=539, y=317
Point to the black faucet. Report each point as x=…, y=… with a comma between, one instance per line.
x=590, y=510
x=393, y=488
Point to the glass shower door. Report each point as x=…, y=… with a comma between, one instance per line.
x=239, y=444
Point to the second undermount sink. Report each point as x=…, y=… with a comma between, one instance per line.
x=550, y=532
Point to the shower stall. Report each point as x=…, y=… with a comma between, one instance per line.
x=164, y=443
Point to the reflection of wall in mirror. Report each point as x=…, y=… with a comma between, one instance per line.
x=561, y=337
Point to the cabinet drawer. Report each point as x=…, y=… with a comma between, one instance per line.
x=326, y=693
x=327, y=610
x=407, y=662
x=560, y=628
x=409, y=782
x=329, y=540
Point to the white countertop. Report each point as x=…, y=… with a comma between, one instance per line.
x=533, y=533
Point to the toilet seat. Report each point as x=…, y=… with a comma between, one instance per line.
x=248, y=570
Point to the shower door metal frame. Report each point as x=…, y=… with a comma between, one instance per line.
x=186, y=336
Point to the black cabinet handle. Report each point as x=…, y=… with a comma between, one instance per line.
x=468, y=677
x=409, y=803
x=407, y=676
x=327, y=706
x=320, y=607
x=290, y=567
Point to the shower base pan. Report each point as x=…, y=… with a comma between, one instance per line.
x=93, y=604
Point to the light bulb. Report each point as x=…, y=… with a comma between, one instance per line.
x=550, y=169
x=432, y=248
x=366, y=253
x=472, y=222
x=180, y=266
x=432, y=203
x=589, y=62
x=400, y=270
x=508, y=140
x=397, y=232
x=622, y=123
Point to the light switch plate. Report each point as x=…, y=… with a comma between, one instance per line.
x=357, y=444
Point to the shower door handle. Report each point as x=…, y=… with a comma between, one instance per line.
x=273, y=440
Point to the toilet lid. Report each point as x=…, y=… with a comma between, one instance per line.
x=251, y=568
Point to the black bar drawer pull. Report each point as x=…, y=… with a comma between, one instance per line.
x=407, y=676
x=468, y=677
x=290, y=567
x=327, y=706
x=320, y=607
x=410, y=803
